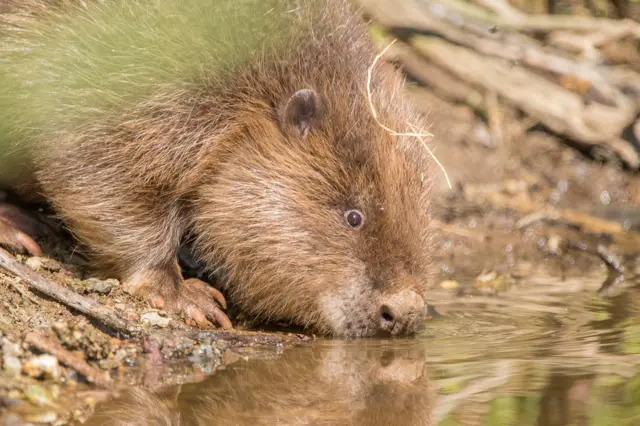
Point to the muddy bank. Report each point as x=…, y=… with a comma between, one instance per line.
x=57, y=363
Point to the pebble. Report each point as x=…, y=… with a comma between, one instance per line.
x=113, y=361
x=38, y=395
x=10, y=361
x=34, y=263
x=153, y=318
x=43, y=365
x=11, y=365
x=100, y=286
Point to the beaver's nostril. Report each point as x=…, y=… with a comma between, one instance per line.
x=387, y=318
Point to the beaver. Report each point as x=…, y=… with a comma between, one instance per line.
x=332, y=383
x=244, y=128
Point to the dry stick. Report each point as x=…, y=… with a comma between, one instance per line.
x=444, y=84
x=65, y=296
x=415, y=133
x=67, y=358
x=503, y=9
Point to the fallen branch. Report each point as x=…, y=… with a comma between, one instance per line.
x=578, y=97
x=559, y=109
x=438, y=78
x=503, y=10
x=43, y=344
x=507, y=17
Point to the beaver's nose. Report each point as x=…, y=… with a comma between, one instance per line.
x=402, y=312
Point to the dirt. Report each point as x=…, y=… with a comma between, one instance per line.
x=39, y=386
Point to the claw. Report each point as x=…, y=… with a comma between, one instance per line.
x=196, y=314
x=217, y=296
x=213, y=292
x=222, y=319
x=157, y=302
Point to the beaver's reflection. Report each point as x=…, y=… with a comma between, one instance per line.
x=338, y=382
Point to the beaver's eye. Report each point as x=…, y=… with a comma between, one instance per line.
x=354, y=218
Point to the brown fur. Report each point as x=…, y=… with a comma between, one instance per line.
x=262, y=202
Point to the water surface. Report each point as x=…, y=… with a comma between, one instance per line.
x=547, y=352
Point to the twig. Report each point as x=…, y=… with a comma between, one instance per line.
x=453, y=229
x=67, y=358
x=63, y=295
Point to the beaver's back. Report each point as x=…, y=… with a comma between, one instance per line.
x=75, y=63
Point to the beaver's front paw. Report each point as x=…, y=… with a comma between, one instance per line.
x=167, y=290
x=197, y=301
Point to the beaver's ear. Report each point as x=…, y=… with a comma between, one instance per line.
x=302, y=113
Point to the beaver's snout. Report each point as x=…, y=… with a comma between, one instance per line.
x=402, y=312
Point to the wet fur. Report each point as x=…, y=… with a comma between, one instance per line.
x=216, y=160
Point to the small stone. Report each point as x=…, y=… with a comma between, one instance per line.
x=513, y=187
x=449, y=284
x=35, y=263
x=100, y=286
x=113, y=361
x=42, y=366
x=120, y=306
x=38, y=395
x=153, y=318
x=11, y=365
x=51, y=265
x=554, y=243
x=60, y=326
